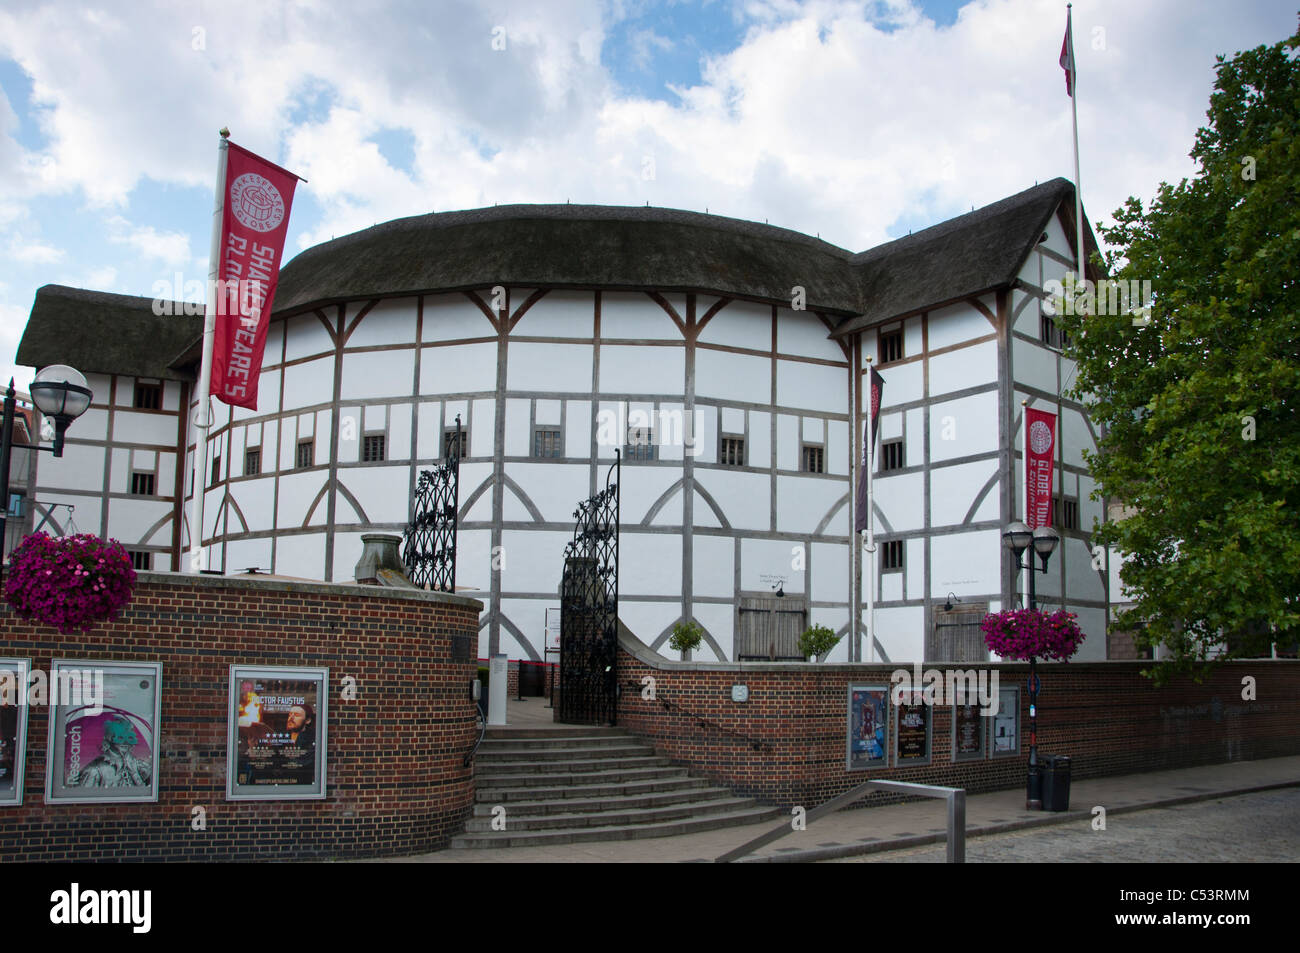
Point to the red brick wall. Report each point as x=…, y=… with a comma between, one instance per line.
x=395, y=781
x=1105, y=715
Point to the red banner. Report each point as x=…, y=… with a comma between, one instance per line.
x=1040, y=451
x=254, y=223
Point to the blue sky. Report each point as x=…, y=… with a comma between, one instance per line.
x=853, y=120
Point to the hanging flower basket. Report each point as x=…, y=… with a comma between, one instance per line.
x=70, y=583
x=1031, y=633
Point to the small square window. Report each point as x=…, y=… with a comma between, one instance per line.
x=216, y=471
x=1051, y=335
x=640, y=444
x=1065, y=512
x=449, y=443
x=148, y=396
x=546, y=442
x=891, y=556
x=732, y=452
x=373, y=448
x=891, y=455
x=141, y=562
x=142, y=484
x=891, y=346
x=252, y=462
x=306, y=454
x=814, y=459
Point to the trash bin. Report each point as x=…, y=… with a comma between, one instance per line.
x=1056, y=782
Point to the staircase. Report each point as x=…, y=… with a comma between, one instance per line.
x=571, y=785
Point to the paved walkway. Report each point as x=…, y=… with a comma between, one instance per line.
x=899, y=826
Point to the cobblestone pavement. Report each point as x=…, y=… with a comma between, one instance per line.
x=1251, y=827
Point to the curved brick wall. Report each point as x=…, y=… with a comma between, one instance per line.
x=1105, y=715
x=395, y=779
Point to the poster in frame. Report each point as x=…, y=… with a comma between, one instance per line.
x=867, y=742
x=276, y=738
x=15, y=675
x=1004, y=727
x=914, y=734
x=104, y=737
x=970, y=732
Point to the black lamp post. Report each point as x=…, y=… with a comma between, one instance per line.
x=60, y=393
x=1018, y=537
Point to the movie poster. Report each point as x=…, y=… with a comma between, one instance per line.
x=968, y=728
x=103, y=731
x=277, y=745
x=913, y=730
x=868, y=727
x=13, y=729
x=1006, y=723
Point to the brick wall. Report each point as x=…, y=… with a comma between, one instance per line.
x=395, y=781
x=1105, y=715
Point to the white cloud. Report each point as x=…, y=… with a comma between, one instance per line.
x=33, y=252
x=170, y=248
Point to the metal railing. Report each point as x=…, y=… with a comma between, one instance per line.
x=956, y=798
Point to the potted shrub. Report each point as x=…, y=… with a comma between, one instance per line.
x=71, y=582
x=686, y=637
x=817, y=642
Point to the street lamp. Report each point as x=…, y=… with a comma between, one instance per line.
x=1018, y=537
x=59, y=392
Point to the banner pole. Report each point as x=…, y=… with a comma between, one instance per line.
x=202, y=414
x=855, y=645
x=1074, y=110
x=871, y=540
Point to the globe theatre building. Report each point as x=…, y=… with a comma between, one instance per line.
x=724, y=359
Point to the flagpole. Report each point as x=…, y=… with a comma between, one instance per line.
x=1074, y=110
x=855, y=374
x=202, y=414
x=871, y=538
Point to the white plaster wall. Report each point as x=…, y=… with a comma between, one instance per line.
x=803, y=502
x=629, y=369
x=731, y=377
x=297, y=491
x=301, y=555
x=713, y=566
x=383, y=491
x=138, y=427
x=837, y=447
x=642, y=486
x=759, y=447
x=966, y=563
x=740, y=324
x=812, y=386
x=718, y=621
x=533, y=560
x=706, y=432
x=1075, y=436
x=829, y=576
x=529, y=617
x=577, y=433
x=761, y=558
x=900, y=630
x=904, y=383
x=646, y=620
x=255, y=499
x=376, y=373
x=554, y=488
x=976, y=421
x=914, y=442
x=548, y=367
x=428, y=439
x=388, y=322
x=309, y=383
x=953, y=489
x=80, y=468
x=914, y=568
x=649, y=563
x=634, y=316
x=467, y=369
x=474, y=563
x=964, y=367
x=901, y=499
x=243, y=553
x=956, y=324
x=453, y=317
x=307, y=336
x=1033, y=365
x=787, y=442
x=802, y=333
x=119, y=477
x=561, y=314
x=130, y=520
x=743, y=497
x=347, y=551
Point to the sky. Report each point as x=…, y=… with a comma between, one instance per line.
x=853, y=120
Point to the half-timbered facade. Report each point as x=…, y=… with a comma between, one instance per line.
x=724, y=360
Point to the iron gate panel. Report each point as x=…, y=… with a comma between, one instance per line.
x=429, y=553
x=589, y=609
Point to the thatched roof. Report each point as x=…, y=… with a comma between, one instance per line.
x=571, y=246
x=96, y=332
x=577, y=246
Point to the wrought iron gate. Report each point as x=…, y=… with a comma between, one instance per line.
x=430, y=547
x=589, y=609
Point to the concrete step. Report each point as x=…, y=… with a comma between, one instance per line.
x=513, y=777
x=567, y=740
x=671, y=780
x=496, y=770
x=564, y=804
x=505, y=731
x=667, y=828
x=515, y=753
x=615, y=818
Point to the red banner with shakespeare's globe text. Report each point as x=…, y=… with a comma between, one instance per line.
x=1040, y=450
x=255, y=220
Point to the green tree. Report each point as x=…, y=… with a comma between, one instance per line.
x=1199, y=402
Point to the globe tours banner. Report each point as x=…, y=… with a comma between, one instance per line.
x=104, y=734
x=276, y=747
x=255, y=221
x=1040, y=450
